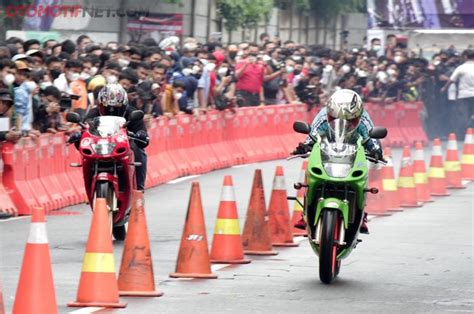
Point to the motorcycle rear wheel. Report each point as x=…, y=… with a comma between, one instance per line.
x=328, y=264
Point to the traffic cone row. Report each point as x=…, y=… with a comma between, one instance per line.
x=298, y=209
x=389, y=184
x=420, y=176
x=99, y=287
x=467, y=160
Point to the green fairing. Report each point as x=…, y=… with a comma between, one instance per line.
x=357, y=183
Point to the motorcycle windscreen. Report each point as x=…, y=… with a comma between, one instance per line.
x=338, y=149
x=105, y=126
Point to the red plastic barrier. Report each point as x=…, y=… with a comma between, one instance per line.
x=6, y=205
x=38, y=173
x=410, y=123
x=45, y=163
x=14, y=177
x=402, y=120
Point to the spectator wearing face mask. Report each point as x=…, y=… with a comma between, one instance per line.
x=7, y=73
x=171, y=97
x=111, y=72
x=185, y=75
x=48, y=116
x=24, y=92
x=204, y=84
x=250, y=75
x=71, y=83
x=224, y=91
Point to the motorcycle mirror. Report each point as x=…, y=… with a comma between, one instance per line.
x=301, y=127
x=378, y=133
x=73, y=117
x=136, y=115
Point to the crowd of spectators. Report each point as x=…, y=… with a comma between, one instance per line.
x=40, y=82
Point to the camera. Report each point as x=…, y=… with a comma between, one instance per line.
x=65, y=102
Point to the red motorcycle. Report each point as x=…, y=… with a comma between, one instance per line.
x=108, y=165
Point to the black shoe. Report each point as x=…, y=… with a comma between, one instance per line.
x=364, y=227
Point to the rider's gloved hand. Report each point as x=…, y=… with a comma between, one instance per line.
x=74, y=138
x=142, y=138
x=301, y=149
x=377, y=155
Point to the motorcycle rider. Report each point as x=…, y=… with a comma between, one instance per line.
x=347, y=105
x=113, y=101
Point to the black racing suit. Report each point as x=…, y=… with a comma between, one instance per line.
x=138, y=146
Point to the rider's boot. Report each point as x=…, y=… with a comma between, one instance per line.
x=364, y=227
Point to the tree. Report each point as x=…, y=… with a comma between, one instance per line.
x=243, y=13
x=328, y=9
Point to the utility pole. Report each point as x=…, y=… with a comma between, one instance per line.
x=123, y=21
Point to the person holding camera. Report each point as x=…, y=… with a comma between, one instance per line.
x=7, y=134
x=273, y=77
x=249, y=75
x=48, y=114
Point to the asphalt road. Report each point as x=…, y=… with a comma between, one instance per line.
x=419, y=260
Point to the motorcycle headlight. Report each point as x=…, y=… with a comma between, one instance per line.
x=337, y=170
x=103, y=148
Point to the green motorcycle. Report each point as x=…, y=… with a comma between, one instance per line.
x=336, y=187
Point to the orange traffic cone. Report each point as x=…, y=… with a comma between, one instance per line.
x=467, y=159
x=35, y=293
x=436, y=174
x=389, y=185
x=297, y=209
x=98, y=284
x=278, y=213
x=419, y=173
x=256, y=238
x=376, y=204
x=452, y=165
x=406, y=182
x=227, y=243
x=193, y=257
x=136, y=271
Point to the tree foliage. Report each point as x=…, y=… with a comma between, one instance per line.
x=328, y=9
x=244, y=13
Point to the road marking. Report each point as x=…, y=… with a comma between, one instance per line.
x=216, y=267
x=240, y=166
x=87, y=310
x=175, y=181
x=14, y=218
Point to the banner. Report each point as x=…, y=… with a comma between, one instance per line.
x=428, y=14
x=156, y=26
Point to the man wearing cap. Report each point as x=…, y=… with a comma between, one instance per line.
x=25, y=90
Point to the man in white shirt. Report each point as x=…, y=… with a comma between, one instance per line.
x=462, y=116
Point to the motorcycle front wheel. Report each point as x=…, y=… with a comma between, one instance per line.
x=105, y=190
x=328, y=264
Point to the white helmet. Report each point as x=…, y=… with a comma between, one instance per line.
x=345, y=105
